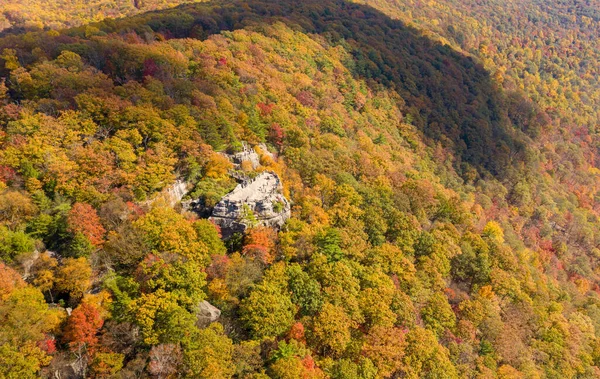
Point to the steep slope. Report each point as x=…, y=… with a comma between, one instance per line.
x=414, y=249
x=448, y=95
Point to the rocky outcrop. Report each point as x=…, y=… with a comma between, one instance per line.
x=207, y=313
x=257, y=201
x=249, y=154
x=246, y=155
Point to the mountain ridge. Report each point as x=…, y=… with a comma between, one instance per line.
x=432, y=233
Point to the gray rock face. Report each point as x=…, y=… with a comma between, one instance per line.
x=176, y=192
x=207, y=313
x=258, y=201
x=247, y=155
x=172, y=194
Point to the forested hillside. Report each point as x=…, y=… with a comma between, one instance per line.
x=440, y=159
x=27, y=15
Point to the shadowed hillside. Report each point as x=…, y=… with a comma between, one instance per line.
x=448, y=96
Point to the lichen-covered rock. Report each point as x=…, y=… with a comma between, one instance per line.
x=257, y=201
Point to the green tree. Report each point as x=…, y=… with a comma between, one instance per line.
x=14, y=245
x=306, y=291
x=329, y=244
x=425, y=358
x=209, y=234
x=184, y=280
x=438, y=315
x=160, y=318
x=167, y=231
x=208, y=354
x=331, y=330
x=473, y=265
x=267, y=311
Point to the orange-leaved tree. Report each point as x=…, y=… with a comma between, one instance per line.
x=82, y=329
x=83, y=219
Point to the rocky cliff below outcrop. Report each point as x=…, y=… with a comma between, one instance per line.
x=257, y=201
x=171, y=195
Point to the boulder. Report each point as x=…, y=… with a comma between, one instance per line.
x=207, y=313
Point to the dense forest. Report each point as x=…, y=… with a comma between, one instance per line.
x=26, y=15
x=440, y=157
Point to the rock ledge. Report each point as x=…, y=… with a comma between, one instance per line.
x=257, y=201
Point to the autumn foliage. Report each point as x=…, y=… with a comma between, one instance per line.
x=440, y=158
x=81, y=332
x=84, y=219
